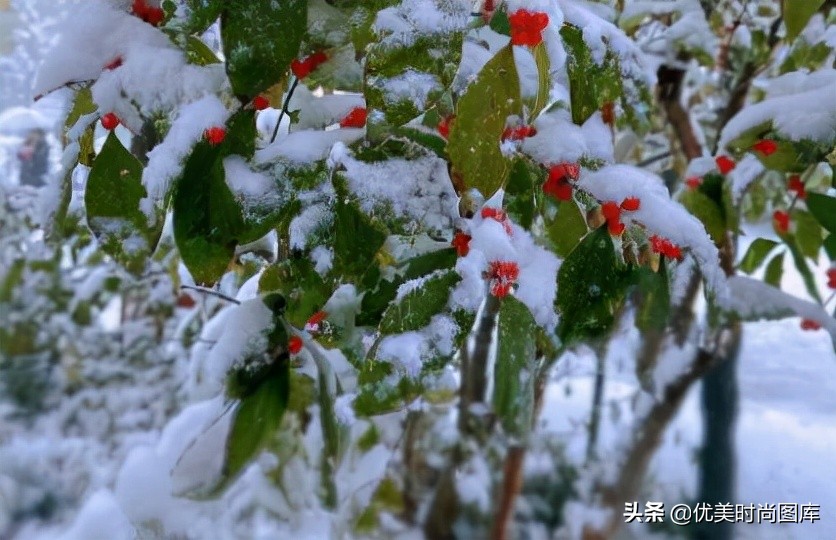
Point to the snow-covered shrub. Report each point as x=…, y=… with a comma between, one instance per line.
x=425, y=204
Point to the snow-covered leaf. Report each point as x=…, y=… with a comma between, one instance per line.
x=425, y=298
x=260, y=39
x=114, y=190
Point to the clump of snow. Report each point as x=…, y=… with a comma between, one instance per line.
x=344, y=409
x=403, y=24
x=490, y=242
x=100, y=518
x=165, y=161
x=406, y=351
x=747, y=171
x=418, y=189
x=307, y=146
x=228, y=338
x=411, y=86
x=323, y=259
x=558, y=139
x=600, y=34
x=798, y=106
x=658, y=214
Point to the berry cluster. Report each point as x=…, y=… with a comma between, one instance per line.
x=665, y=247
x=503, y=275
x=527, y=27
x=612, y=213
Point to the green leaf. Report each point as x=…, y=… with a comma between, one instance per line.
x=590, y=85
x=516, y=357
x=481, y=114
x=207, y=218
x=823, y=208
x=302, y=287
x=114, y=190
x=803, y=268
x=541, y=59
x=756, y=254
x=256, y=419
x=418, y=306
x=707, y=211
x=775, y=270
x=260, y=38
x=567, y=228
x=201, y=14
x=357, y=239
x=808, y=233
x=655, y=305
x=83, y=105
x=526, y=177
x=797, y=13
x=830, y=246
x=198, y=53
x=591, y=286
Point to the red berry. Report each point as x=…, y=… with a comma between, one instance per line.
x=781, y=221
x=527, y=27
x=110, y=121
x=831, y=278
x=693, y=182
x=300, y=68
x=356, y=118
x=185, y=301
x=494, y=213
x=294, y=345
x=725, y=164
x=215, y=135
x=795, y=184
x=518, y=133
x=616, y=228
x=113, y=64
x=461, y=242
x=608, y=113
x=503, y=274
x=631, y=204
x=560, y=189
x=570, y=171
x=150, y=14
x=444, y=126
x=665, y=247
x=260, y=103
x=765, y=147
x=313, y=322
x=611, y=211
x=809, y=324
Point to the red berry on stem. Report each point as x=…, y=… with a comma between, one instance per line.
x=693, y=182
x=356, y=118
x=560, y=189
x=527, y=27
x=795, y=184
x=294, y=345
x=300, y=68
x=725, y=164
x=781, y=221
x=831, y=278
x=569, y=171
x=260, y=103
x=461, y=242
x=611, y=211
x=765, y=146
x=110, y=121
x=215, y=135
x=631, y=204
x=809, y=324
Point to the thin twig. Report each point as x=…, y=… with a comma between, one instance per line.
x=211, y=292
x=284, y=110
